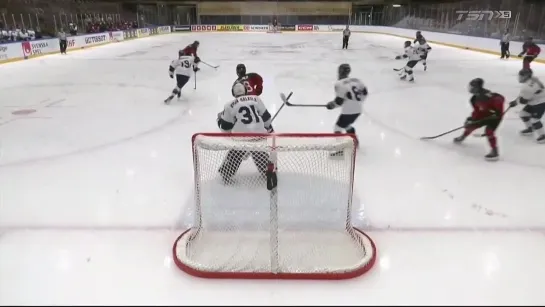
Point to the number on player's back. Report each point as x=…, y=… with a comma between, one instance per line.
x=357, y=91
x=185, y=64
x=249, y=114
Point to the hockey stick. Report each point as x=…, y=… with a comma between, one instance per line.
x=289, y=104
x=215, y=67
x=284, y=100
x=400, y=69
x=195, y=87
x=459, y=128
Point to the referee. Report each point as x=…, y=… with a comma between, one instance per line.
x=504, y=43
x=62, y=41
x=346, y=36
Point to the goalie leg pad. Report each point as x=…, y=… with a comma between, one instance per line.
x=261, y=160
x=231, y=163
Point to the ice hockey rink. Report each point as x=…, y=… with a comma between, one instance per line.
x=96, y=174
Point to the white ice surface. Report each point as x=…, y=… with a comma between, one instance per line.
x=96, y=184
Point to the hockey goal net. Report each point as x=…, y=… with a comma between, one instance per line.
x=299, y=228
x=273, y=29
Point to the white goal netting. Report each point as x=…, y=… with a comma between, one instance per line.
x=299, y=228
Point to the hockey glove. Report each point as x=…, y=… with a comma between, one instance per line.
x=196, y=69
x=197, y=59
x=513, y=103
x=470, y=122
x=331, y=105
x=270, y=129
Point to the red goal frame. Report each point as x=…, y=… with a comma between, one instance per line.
x=270, y=275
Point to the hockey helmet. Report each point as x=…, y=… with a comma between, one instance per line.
x=195, y=44
x=238, y=89
x=181, y=53
x=344, y=70
x=476, y=85
x=525, y=74
x=407, y=44
x=241, y=70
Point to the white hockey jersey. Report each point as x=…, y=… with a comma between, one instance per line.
x=532, y=92
x=183, y=66
x=412, y=54
x=245, y=114
x=423, y=48
x=350, y=95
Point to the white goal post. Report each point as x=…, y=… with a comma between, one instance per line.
x=299, y=228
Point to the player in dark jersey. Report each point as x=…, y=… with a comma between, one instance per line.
x=487, y=112
x=530, y=51
x=191, y=49
x=252, y=81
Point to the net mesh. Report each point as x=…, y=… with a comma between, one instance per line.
x=301, y=227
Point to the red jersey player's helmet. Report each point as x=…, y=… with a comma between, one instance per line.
x=476, y=85
x=241, y=70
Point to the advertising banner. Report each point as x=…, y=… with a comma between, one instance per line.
x=94, y=39
x=287, y=27
x=153, y=31
x=181, y=28
x=203, y=28
x=142, y=32
x=228, y=28
x=304, y=27
x=116, y=36
x=256, y=28
x=31, y=48
x=129, y=34
x=163, y=29
x=10, y=51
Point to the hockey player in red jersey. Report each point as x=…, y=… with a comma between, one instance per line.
x=530, y=51
x=487, y=112
x=191, y=49
x=252, y=81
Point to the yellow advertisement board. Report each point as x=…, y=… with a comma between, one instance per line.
x=225, y=28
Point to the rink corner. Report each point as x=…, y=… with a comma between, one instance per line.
x=450, y=45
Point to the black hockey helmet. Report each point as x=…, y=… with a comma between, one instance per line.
x=181, y=53
x=241, y=70
x=525, y=74
x=407, y=44
x=418, y=33
x=195, y=44
x=476, y=85
x=344, y=70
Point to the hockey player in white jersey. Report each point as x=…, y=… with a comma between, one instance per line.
x=413, y=57
x=423, y=49
x=350, y=93
x=181, y=68
x=532, y=96
x=245, y=114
